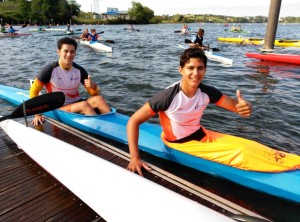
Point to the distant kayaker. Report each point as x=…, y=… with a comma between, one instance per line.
x=198, y=39
x=181, y=106
x=85, y=35
x=66, y=76
x=130, y=27
x=94, y=36
x=236, y=28
x=68, y=29
x=40, y=28
x=11, y=30
x=2, y=28
x=185, y=30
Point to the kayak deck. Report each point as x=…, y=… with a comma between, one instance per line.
x=97, y=45
x=212, y=56
x=286, y=55
x=260, y=41
x=274, y=57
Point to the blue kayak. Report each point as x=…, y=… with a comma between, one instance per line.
x=113, y=125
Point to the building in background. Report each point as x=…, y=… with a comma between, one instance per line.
x=114, y=13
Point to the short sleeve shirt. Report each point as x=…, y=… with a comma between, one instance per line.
x=67, y=81
x=180, y=115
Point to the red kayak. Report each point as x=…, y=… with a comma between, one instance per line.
x=285, y=55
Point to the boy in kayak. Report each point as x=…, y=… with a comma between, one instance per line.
x=198, y=40
x=185, y=30
x=66, y=76
x=68, y=29
x=94, y=36
x=2, y=28
x=11, y=30
x=85, y=35
x=181, y=106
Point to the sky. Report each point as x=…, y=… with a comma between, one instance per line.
x=215, y=7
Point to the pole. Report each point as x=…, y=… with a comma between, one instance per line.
x=272, y=25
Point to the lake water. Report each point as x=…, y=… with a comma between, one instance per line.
x=144, y=62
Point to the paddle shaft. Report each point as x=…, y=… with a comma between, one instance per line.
x=22, y=27
x=36, y=105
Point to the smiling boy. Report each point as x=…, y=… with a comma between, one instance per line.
x=181, y=106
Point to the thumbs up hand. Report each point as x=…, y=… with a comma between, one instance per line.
x=243, y=107
x=88, y=82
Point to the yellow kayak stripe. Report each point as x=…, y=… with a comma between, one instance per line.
x=238, y=152
x=260, y=41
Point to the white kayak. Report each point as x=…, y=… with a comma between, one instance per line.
x=113, y=192
x=47, y=29
x=213, y=56
x=97, y=45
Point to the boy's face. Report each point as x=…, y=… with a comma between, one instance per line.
x=193, y=72
x=66, y=54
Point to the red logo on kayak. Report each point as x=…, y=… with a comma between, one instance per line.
x=278, y=156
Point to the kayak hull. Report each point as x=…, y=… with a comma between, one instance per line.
x=113, y=125
x=260, y=41
x=97, y=45
x=213, y=56
x=275, y=57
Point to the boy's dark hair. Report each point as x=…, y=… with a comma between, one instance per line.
x=68, y=41
x=192, y=53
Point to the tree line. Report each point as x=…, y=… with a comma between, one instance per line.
x=65, y=11
x=38, y=11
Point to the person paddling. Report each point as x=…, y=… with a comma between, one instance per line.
x=68, y=29
x=11, y=30
x=198, y=40
x=94, y=36
x=2, y=28
x=85, y=35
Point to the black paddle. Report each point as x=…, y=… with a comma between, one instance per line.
x=23, y=26
x=36, y=105
x=131, y=29
x=190, y=41
x=108, y=41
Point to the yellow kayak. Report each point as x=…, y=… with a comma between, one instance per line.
x=287, y=43
x=255, y=41
x=260, y=41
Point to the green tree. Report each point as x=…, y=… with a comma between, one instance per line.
x=74, y=7
x=178, y=18
x=24, y=9
x=140, y=14
x=39, y=10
